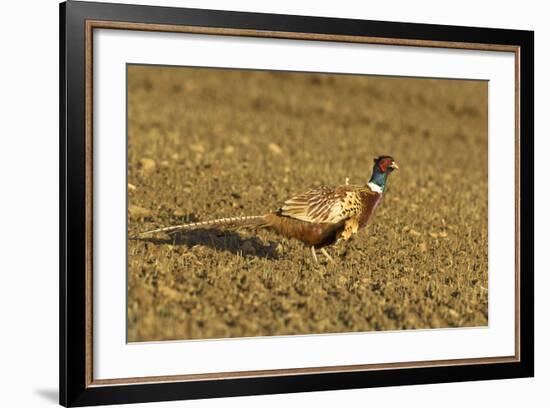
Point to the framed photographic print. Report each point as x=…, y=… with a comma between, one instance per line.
x=256, y=203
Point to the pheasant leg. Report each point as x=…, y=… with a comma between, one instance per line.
x=325, y=253
x=314, y=255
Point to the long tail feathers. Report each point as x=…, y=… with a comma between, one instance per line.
x=223, y=223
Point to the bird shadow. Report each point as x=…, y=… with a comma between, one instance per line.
x=221, y=240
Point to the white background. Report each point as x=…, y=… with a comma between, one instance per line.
x=28, y=205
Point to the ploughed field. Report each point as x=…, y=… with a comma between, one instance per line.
x=211, y=143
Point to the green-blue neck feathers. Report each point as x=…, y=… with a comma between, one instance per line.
x=379, y=178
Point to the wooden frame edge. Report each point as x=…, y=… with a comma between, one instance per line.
x=89, y=205
x=232, y=375
x=188, y=29
x=517, y=197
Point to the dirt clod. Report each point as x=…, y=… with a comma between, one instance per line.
x=147, y=164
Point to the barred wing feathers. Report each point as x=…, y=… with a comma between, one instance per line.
x=324, y=204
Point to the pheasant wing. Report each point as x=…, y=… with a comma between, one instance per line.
x=324, y=204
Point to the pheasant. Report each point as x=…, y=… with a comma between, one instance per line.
x=318, y=218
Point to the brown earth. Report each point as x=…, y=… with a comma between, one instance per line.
x=210, y=143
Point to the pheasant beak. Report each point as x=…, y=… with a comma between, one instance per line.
x=394, y=166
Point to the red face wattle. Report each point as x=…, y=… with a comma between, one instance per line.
x=384, y=164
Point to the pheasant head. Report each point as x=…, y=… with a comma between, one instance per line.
x=383, y=166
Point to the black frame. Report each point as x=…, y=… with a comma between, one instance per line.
x=73, y=390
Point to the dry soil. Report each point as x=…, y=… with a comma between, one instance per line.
x=209, y=143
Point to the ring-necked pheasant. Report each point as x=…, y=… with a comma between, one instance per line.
x=319, y=217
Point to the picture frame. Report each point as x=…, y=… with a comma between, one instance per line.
x=78, y=23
